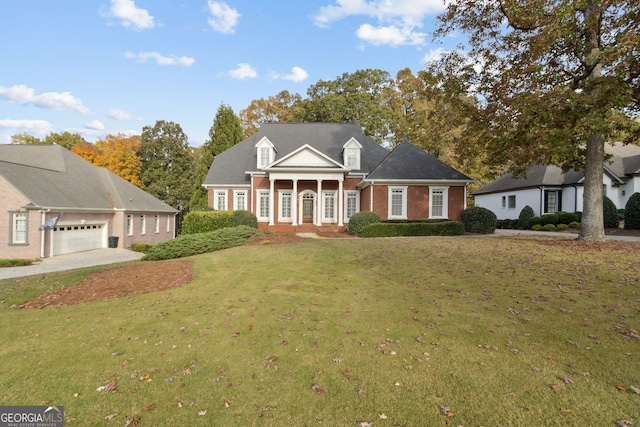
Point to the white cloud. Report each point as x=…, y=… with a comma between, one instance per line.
x=39, y=127
x=161, y=59
x=434, y=55
x=130, y=15
x=389, y=35
x=94, y=125
x=397, y=20
x=243, y=71
x=49, y=100
x=223, y=18
x=297, y=75
x=119, y=114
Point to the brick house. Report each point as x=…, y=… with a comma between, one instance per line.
x=84, y=207
x=302, y=176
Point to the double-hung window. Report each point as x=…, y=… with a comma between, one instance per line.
x=19, y=228
x=156, y=223
x=397, y=203
x=438, y=202
x=240, y=200
x=142, y=225
x=263, y=205
x=265, y=153
x=285, y=206
x=221, y=200
x=329, y=206
x=351, y=205
x=129, y=225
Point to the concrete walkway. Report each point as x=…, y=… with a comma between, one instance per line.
x=72, y=261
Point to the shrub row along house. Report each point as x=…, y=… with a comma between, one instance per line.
x=548, y=190
x=307, y=176
x=54, y=202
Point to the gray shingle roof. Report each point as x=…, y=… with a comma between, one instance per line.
x=51, y=176
x=549, y=176
x=405, y=162
x=408, y=162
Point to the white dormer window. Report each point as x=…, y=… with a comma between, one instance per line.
x=266, y=153
x=351, y=153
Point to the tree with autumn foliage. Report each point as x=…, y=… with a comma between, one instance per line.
x=284, y=107
x=119, y=155
x=225, y=132
x=555, y=81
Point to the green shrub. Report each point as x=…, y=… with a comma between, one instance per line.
x=14, y=262
x=393, y=229
x=243, y=217
x=206, y=221
x=194, y=244
x=609, y=213
x=549, y=227
x=574, y=224
x=551, y=218
x=508, y=224
x=536, y=220
x=562, y=227
x=479, y=220
x=567, y=218
x=140, y=247
x=360, y=220
x=536, y=227
x=621, y=214
x=525, y=216
x=632, y=212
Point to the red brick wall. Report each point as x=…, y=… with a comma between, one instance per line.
x=456, y=202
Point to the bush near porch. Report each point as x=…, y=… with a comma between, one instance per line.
x=395, y=228
x=207, y=221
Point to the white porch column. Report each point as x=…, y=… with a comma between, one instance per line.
x=271, y=200
x=340, y=204
x=319, y=205
x=294, y=203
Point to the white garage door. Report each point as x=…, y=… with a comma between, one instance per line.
x=78, y=238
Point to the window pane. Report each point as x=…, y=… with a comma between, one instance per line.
x=264, y=205
x=20, y=228
x=351, y=205
x=329, y=206
x=285, y=205
x=396, y=202
x=437, y=203
x=241, y=203
x=512, y=202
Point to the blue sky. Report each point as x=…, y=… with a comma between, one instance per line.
x=99, y=67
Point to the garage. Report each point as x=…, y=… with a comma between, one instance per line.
x=78, y=238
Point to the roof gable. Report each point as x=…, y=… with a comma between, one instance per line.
x=305, y=157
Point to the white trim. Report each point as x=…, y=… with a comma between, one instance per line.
x=259, y=195
x=402, y=190
x=216, y=200
x=329, y=195
x=264, y=144
x=445, y=202
x=355, y=194
x=284, y=195
x=236, y=198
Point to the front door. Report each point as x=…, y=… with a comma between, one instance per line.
x=307, y=211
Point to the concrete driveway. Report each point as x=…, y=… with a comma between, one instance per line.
x=72, y=261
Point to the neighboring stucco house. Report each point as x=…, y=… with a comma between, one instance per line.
x=547, y=189
x=93, y=206
x=310, y=175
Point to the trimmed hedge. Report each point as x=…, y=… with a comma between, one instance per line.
x=479, y=220
x=525, y=216
x=609, y=213
x=552, y=218
x=360, y=220
x=567, y=218
x=207, y=221
x=423, y=228
x=200, y=243
x=632, y=212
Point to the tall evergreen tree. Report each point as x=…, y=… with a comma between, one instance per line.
x=225, y=132
x=167, y=169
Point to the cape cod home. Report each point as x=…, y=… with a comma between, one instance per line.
x=296, y=176
x=54, y=202
x=547, y=189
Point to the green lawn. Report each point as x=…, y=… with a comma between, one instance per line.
x=460, y=331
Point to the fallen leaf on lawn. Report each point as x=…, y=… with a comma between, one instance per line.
x=145, y=377
x=360, y=391
x=566, y=411
x=382, y=416
x=555, y=387
x=446, y=411
x=226, y=404
x=202, y=413
x=566, y=380
x=365, y=424
x=131, y=422
x=636, y=390
x=150, y=407
x=624, y=423
x=317, y=389
x=111, y=416
x=108, y=386
x=621, y=387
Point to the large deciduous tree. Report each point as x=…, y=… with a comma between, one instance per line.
x=225, y=132
x=119, y=155
x=167, y=169
x=555, y=80
x=284, y=107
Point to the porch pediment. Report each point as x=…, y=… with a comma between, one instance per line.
x=306, y=157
